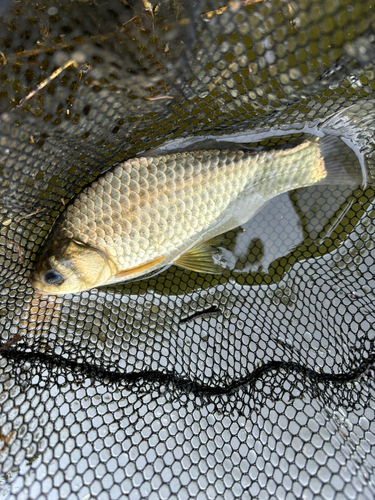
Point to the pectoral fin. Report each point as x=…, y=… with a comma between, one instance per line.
x=200, y=258
x=139, y=269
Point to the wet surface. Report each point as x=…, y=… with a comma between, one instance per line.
x=256, y=383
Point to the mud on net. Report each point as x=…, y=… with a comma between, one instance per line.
x=257, y=383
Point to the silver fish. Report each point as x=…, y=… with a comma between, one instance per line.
x=147, y=213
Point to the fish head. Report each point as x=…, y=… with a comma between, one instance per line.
x=70, y=266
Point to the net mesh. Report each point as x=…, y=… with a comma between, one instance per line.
x=258, y=383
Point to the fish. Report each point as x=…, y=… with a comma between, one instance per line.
x=150, y=212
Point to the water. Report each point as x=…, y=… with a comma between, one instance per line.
x=305, y=216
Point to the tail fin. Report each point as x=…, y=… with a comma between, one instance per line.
x=341, y=163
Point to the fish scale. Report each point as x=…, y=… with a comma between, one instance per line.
x=149, y=212
x=187, y=190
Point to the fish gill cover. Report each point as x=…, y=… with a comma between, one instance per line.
x=255, y=383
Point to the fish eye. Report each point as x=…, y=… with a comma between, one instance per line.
x=53, y=278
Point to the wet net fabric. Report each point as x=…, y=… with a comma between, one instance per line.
x=258, y=383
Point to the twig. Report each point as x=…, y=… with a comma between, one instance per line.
x=158, y=97
x=20, y=254
x=30, y=215
x=211, y=311
x=6, y=440
x=3, y=59
x=16, y=338
x=233, y=6
x=47, y=81
x=130, y=20
x=42, y=50
x=147, y=5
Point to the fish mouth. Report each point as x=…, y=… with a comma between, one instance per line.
x=43, y=293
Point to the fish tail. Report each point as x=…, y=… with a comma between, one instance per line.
x=342, y=165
